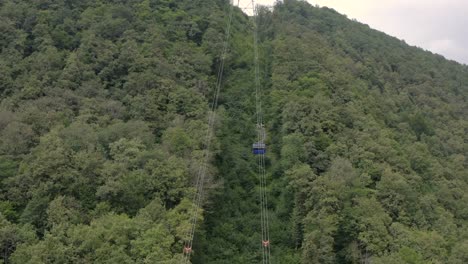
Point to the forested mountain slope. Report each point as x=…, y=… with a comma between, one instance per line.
x=102, y=116
x=103, y=109
x=368, y=141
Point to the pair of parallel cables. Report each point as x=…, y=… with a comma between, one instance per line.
x=199, y=185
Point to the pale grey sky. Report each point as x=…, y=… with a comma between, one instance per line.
x=440, y=26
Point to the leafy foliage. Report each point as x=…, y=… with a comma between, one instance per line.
x=103, y=110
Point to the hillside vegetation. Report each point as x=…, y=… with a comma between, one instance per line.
x=103, y=112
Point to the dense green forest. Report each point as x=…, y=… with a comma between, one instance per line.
x=103, y=111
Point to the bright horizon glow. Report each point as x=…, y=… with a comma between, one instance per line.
x=434, y=25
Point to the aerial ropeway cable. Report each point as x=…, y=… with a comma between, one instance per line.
x=200, y=180
x=259, y=148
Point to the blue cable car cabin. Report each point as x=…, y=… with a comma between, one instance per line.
x=259, y=148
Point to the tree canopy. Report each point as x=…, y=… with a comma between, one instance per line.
x=103, y=113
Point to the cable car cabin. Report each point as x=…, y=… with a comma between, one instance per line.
x=259, y=148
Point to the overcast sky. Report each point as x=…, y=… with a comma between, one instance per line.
x=440, y=26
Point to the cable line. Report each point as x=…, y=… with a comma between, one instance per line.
x=260, y=148
x=197, y=198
